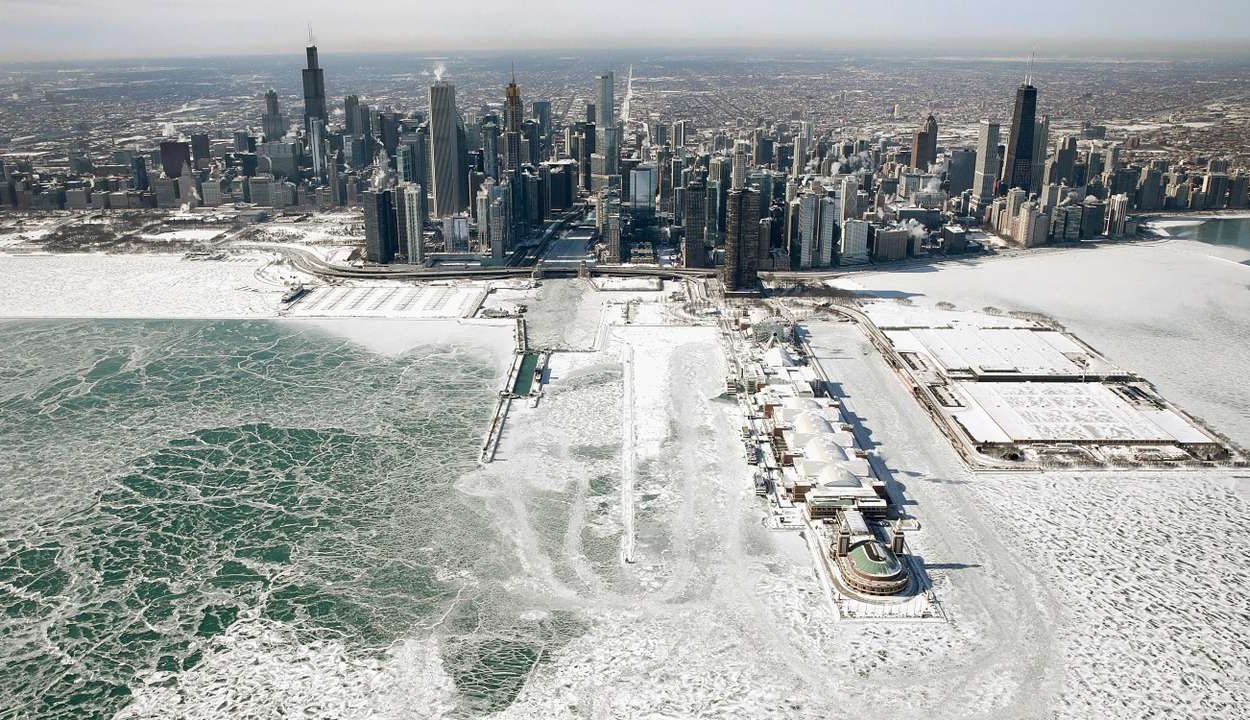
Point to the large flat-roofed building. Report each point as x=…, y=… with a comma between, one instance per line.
x=1002, y=353
x=1010, y=412
x=1016, y=388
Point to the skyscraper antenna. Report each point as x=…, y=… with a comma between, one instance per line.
x=311, y=42
x=1028, y=73
x=514, y=72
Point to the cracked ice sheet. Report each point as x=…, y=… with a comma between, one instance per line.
x=1148, y=581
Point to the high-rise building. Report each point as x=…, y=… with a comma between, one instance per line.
x=1117, y=214
x=409, y=221
x=317, y=148
x=273, y=125
x=961, y=172
x=1215, y=188
x=314, y=88
x=540, y=110
x=446, y=156
x=174, y=154
x=381, y=235
x=199, y=148
x=490, y=149
x=351, y=115
x=513, y=111
x=986, y=174
x=854, y=242
x=605, y=110
x=738, y=174
x=924, y=144
x=643, y=181
x=605, y=122
x=139, y=173
x=1041, y=140
x=1018, y=165
x=695, y=220
x=742, y=236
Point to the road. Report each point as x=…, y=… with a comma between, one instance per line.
x=308, y=262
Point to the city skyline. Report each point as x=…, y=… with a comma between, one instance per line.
x=563, y=384
x=39, y=30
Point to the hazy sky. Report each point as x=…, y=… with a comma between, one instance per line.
x=70, y=29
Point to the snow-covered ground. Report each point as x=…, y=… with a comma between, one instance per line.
x=183, y=235
x=1078, y=595
x=1177, y=312
x=390, y=336
x=393, y=299
x=134, y=286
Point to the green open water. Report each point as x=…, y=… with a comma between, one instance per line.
x=166, y=484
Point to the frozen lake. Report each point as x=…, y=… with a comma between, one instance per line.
x=1217, y=231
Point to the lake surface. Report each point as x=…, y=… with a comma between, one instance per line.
x=1219, y=231
x=184, y=500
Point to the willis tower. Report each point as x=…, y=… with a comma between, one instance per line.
x=314, y=88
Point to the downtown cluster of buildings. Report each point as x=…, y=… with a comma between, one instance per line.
x=815, y=201
x=763, y=195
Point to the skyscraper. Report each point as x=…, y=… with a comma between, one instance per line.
x=924, y=144
x=314, y=88
x=1018, y=166
x=541, y=111
x=446, y=153
x=961, y=172
x=512, y=108
x=605, y=114
x=409, y=222
x=987, y=163
x=272, y=123
x=490, y=149
x=351, y=114
x=512, y=112
x=174, y=154
x=695, y=220
x=381, y=239
x=738, y=173
x=605, y=122
x=742, y=236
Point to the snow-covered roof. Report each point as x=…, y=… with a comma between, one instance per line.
x=836, y=476
x=778, y=357
x=812, y=423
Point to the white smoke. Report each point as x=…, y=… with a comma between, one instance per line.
x=439, y=70
x=1090, y=199
x=1074, y=197
x=931, y=184
x=916, y=230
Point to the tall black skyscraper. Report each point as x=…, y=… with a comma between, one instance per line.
x=314, y=88
x=742, y=238
x=199, y=147
x=1018, y=166
x=381, y=231
x=351, y=114
x=174, y=154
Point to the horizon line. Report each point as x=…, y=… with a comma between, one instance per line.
x=1122, y=49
